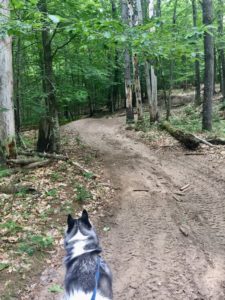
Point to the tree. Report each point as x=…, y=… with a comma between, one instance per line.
x=220, y=15
x=87, y=74
x=137, y=20
x=151, y=79
x=7, y=125
x=17, y=86
x=127, y=19
x=197, y=60
x=49, y=135
x=158, y=8
x=114, y=91
x=209, y=64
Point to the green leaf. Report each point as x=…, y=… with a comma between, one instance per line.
x=55, y=19
x=17, y=4
x=107, y=34
x=55, y=288
x=3, y=266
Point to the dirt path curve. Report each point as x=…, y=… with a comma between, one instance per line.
x=149, y=255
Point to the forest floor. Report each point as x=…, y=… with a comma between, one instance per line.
x=165, y=225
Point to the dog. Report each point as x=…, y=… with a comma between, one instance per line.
x=88, y=277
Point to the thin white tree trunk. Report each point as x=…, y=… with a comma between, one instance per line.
x=7, y=121
x=154, y=95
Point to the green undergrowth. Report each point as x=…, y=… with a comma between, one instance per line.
x=4, y=172
x=189, y=119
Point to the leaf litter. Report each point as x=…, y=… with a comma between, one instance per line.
x=32, y=223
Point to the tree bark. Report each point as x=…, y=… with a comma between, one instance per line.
x=167, y=95
x=17, y=66
x=114, y=95
x=215, y=71
x=151, y=79
x=138, y=19
x=7, y=125
x=209, y=65
x=53, y=144
x=158, y=9
x=197, y=60
x=128, y=82
x=137, y=86
x=221, y=63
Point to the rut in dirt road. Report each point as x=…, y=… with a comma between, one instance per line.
x=149, y=256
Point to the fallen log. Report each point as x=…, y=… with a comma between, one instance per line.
x=44, y=155
x=187, y=139
x=22, y=162
x=57, y=157
x=38, y=164
x=216, y=141
x=201, y=140
x=81, y=168
x=12, y=189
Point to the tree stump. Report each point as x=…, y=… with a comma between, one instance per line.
x=48, y=140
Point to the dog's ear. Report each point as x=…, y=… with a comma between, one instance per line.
x=84, y=214
x=85, y=218
x=70, y=222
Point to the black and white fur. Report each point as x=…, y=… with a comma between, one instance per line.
x=82, y=250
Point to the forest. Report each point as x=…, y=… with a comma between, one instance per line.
x=82, y=83
x=101, y=56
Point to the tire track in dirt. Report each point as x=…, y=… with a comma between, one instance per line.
x=204, y=208
x=149, y=256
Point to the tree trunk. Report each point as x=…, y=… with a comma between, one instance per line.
x=49, y=87
x=151, y=79
x=138, y=19
x=17, y=86
x=158, y=9
x=197, y=60
x=172, y=63
x=215, y=71
x=209, y=65
x=7, y=125
x=114, y=95
x=221, y=63
x=128, y=88
x=128, y=82
x=137, y=85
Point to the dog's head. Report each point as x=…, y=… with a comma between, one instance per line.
x=80, y=230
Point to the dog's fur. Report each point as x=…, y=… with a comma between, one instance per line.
x=82, y=251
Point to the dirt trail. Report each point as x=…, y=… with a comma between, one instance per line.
x=150, y=257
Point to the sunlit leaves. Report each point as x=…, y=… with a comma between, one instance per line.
x=55, y=19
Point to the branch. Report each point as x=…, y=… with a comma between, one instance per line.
x=22, y=162
x=38, y=164
x=45, y=155
x=54, y=33
x=31, y=44
x=63, y=45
